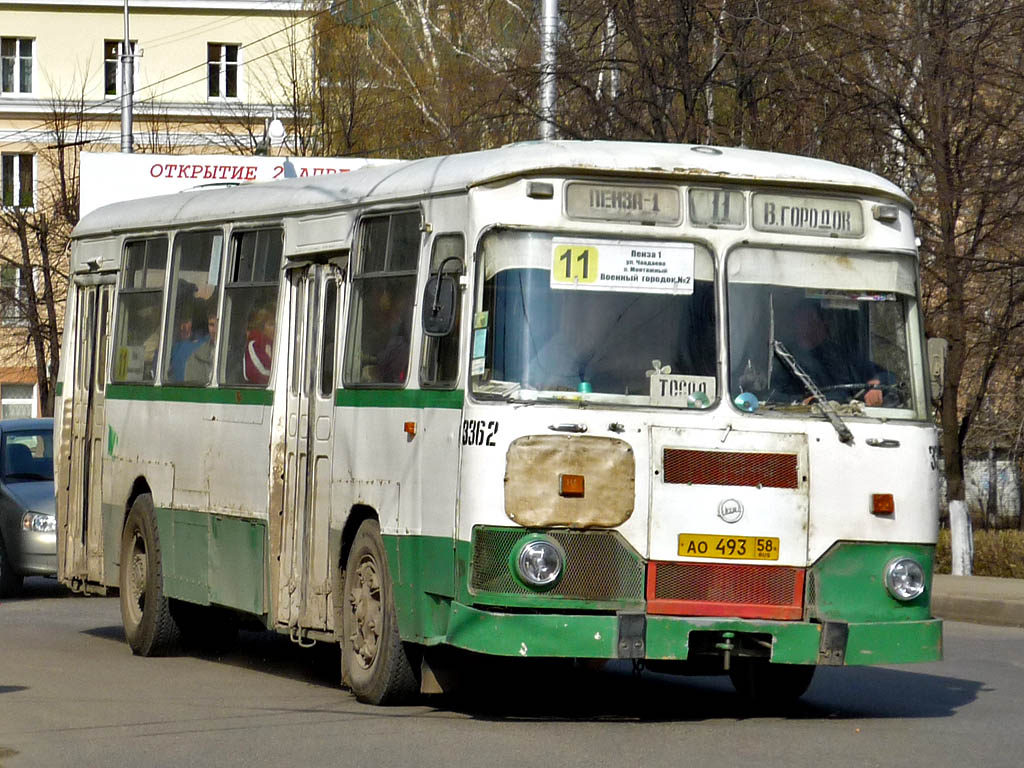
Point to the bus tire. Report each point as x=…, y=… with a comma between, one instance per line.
x=375, y=663
x=148, y=625
x=10, y=582
x=765, y=685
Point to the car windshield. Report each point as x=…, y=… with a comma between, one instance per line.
x=593, y=319
x=26, y=455
x=842, y=324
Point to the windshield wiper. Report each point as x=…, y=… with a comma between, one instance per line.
x=845, y=435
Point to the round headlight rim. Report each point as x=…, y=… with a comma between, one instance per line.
x=890, y=585
x=517, y=551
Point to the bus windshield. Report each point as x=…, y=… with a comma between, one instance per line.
x=841, y=321
x=535, y=339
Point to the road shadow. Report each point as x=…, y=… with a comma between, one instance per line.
x=113, y=632
x=40, y=588
x=546, y=692
x=272, y=653
x=560, y=690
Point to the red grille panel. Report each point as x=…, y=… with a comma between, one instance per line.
x=721, y=589
x=770, y=470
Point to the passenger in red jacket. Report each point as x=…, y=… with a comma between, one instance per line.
x=259, y=346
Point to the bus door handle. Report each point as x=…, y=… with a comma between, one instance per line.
x=577, y=428
x=876, y=442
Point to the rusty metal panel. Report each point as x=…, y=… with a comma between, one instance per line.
x=535, y=463
x=744, y=468
x=725, y=589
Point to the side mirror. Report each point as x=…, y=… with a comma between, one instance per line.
x=439, y=305
x=937, y=349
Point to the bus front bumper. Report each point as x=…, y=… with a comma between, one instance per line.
x=669, y=637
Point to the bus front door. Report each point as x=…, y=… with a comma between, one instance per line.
x=80, y=528
x=305, y=579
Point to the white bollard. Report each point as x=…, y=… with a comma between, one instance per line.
x=962, y=537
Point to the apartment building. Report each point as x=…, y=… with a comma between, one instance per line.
x=208, y=77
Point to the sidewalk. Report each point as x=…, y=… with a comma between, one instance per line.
x=979, y=599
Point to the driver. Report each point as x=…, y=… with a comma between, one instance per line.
x=825, y=360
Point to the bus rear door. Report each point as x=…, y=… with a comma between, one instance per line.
x=305, y=579
x=81, y=528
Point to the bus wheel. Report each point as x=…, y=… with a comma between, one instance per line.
x=764, y=685
x=148, y=625
x=375, y=662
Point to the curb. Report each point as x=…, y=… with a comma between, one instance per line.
x=979, y=600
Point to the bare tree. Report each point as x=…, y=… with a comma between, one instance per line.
x=34, y=249
x=934, y=91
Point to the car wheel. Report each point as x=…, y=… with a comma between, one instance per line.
x=10, y=582
x=148, y=625
x=375, y=663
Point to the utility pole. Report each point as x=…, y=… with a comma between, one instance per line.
x=548, y=34
x=127, y=87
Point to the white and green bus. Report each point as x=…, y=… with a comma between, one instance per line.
x=588, y=400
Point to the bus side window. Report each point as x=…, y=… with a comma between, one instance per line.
x=195, y=274
x=440, y=364
x=330, y=324
x=248, y=325
x=140, y=298
x=383, y=288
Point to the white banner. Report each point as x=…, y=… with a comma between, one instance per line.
x=110, y=177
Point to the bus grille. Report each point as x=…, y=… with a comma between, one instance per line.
x=599, y=565
x=768, y=470
x=721, y=589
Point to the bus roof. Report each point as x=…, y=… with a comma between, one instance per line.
x=455, y=173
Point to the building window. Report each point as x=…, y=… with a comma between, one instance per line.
x=222, y=70
x=13, y=292
x=112, y=51
x=16, y=176
x=16, y=55
x=17, y=401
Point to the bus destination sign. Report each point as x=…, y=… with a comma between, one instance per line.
x=611, y=265
x=635, y=204
x=819, y=216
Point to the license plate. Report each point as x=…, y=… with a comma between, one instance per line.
x=729, y=547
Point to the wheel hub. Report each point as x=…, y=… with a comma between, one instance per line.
x=137, y=569
x=366, y=611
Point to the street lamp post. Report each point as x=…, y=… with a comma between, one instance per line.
x=127, y=87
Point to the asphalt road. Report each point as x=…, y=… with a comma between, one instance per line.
x=71, y=694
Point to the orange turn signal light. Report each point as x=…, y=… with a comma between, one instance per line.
x=882, y=504
x=570, y=486
x=410, y=428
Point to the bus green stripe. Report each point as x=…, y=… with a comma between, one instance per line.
x=399, y=398
x=352, y=398
x=222, y=396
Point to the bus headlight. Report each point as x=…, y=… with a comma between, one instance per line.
x=904, y=578
x=539, y=562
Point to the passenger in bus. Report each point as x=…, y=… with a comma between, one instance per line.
x=188, y=336
x=828, y=364
x=199, y=365
x=259, y=346
x=387, y=348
